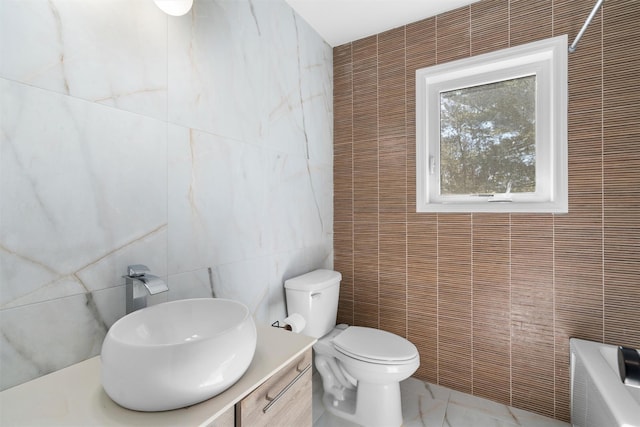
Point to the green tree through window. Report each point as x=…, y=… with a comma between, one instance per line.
x=487, y=138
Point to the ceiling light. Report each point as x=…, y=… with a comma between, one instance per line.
x=174, y=7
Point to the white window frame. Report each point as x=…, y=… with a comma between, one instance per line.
x=547, y=59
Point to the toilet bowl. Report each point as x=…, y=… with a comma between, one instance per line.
x=361, y=368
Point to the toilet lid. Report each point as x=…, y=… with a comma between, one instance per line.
x=374, y=345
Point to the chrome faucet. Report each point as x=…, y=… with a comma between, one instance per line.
x=137, y=280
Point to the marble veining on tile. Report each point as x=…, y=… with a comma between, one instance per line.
x=89, y=50
x=198, y=145
x=430, y=405
x=68, y=207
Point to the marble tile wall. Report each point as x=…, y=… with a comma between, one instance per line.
x=200, y=146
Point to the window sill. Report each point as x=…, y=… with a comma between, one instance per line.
x=495, y=207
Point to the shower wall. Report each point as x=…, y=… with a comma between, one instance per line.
x=492, y=299
x=199, y=145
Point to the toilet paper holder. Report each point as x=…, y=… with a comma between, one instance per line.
x=276, y=324
x=282, y=325
x=294, y=323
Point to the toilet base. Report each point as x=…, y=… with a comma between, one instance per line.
x=373, y=405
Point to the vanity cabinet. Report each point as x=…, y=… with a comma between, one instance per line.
x=74, y=396
x=283, y=400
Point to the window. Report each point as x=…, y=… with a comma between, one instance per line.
x=492, y=131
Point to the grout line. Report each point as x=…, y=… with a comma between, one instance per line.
x=438, y=297
x=470, y=32
x=471, y=317
x=353, y=222
x=553, y=269
x=406, y=176
x=435, y=24
x=553, y=299
x=510, y=252
x=509, y=23
x=602, y=199
x=167, y=141
x=378, y=165
x=510, y=314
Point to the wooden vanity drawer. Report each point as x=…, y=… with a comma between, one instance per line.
x=283, y=400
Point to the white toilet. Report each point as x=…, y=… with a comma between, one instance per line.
x=361, y=368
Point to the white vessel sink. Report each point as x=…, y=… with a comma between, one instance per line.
x=178, y=353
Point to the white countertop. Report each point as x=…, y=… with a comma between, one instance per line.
x=74, y=396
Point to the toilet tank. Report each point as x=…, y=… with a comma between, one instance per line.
x=314, y=296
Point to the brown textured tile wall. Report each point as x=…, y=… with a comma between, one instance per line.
x=491, y=300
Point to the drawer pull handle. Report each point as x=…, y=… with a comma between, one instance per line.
x=273, y=400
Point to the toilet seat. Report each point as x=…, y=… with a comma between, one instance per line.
x=374, y=346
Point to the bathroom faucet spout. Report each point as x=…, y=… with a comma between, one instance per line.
x=139, y=284
x=154, y=284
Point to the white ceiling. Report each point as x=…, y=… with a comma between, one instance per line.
x=343, y=21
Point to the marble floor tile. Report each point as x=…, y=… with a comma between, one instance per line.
x=425, y=404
